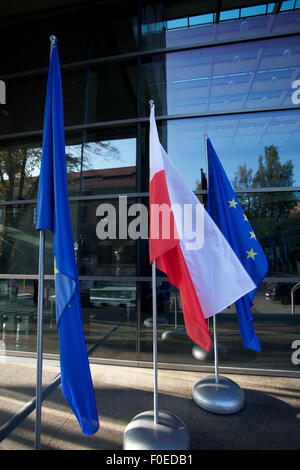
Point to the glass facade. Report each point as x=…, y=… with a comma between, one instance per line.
x=223, y=68
x=235, y=77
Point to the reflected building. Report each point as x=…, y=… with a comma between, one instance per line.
x=122, y=180
x=223, y=68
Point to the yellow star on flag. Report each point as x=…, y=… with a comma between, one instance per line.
x=245, y=218
x=233, y=203
x=251, y=253
x=252, y=235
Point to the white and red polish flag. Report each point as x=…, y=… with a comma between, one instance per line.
x=189, y=247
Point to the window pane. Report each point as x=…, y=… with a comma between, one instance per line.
x=104, y=245
x=239, y=141
x=229, y=15
x=274, y=325
x=18, y=301
x=253, y=11
x=170, y=24
x=287, y=5
x=201, y=19
x=19, y=168
x=154, y=85
x=112, y=92
x=26, y=97
x=29, y=44
x=275, y=219
x=109, y=162
x=20, y=162
x=113, y=28
x=109, y=318
x=258, y=74
x=171, y=347
x=180, y=23
x=18, y=240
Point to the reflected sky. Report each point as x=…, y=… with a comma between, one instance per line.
x=117, y=153
x=236, y=24
x=247, y=76
x=236, y=139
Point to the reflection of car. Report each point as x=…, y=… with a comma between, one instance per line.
x=282, y=291
x=113, y=296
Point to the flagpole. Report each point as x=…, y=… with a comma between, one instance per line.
x=154, y=324
x=154, y=304
x=198, y=352
x=175, y=308
x=154, y=429
x=214, y=317
x=217, y=394
x=39, y=373
x=216, y=351
x=39, y=343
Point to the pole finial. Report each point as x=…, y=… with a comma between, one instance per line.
x=151, y=102
x=53, y=40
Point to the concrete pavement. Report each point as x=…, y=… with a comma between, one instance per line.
x=270, y=419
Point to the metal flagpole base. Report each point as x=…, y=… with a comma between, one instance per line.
x=175, y=335
x=224, y=397
x=169, y=433
x=201, y=355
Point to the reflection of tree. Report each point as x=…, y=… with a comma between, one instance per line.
x=16, y=172
x=105, y=150
x=270, y=174
x=15, y=167
x=271, y=213
x=243, y=177
x=17, y=182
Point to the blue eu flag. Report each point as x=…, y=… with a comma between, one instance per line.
x=225, y=209
x=53, y=213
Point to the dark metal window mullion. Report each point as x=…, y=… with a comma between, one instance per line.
x=139, y=179
x=83, y=142
x=142, y=120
